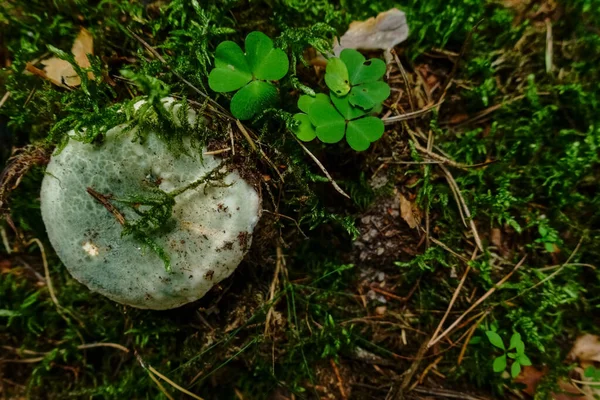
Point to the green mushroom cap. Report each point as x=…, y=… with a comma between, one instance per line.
x=207, y=235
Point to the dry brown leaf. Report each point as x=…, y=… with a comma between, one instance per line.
x=383, y=32
x=586, y=350
x=407, y=211
x=59, y=71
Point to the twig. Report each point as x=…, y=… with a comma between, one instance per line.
x=4, y=98
x=102, y=199
x=95, y=345
x=449, y=250
x=454, y=297
x=446, y=394
x=451, y=181
x=468, y=338
x=274, y=283
x=340, y=383
x=215, y=152
x=170, y=382
x=405, y=78
x=160, y=386
x=478, y=302
x=549, y=45
x=244, y=131
x=316, y=160
x=410, y=115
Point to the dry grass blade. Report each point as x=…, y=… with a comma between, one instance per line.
x=170, y=382
x=478, y=302
x=454, y=297
x=279, y=265
x=410, y=115
x=464, y=206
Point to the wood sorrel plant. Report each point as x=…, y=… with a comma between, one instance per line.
x=356, y=89
x=250, y=72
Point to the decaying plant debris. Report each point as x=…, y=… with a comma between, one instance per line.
x=491, y=145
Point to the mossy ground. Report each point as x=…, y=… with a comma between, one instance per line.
x=310, y=314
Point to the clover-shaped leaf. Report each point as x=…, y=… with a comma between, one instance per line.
x=331, y=126
x=252, y=98
x=265, y=62
x=368, y=95
x=330, y=122
x=362, y=71
x=249, y=72
x=353, y=74
x=345, y=108
x=361, y=132
x=336, y=76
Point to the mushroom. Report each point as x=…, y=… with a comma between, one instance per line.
x=88, y=204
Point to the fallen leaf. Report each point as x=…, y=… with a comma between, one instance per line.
x=586, y=350
x=407, y=211
x=383, y=32
x=59, y=71
x=531, y=377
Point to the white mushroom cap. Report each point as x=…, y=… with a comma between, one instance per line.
x=207, y=237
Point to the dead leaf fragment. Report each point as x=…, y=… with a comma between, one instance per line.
x=586, y=350
x=407, y=211
x=59, y=71
x=383, y=32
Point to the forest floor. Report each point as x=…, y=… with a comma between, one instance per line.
x=473, y=221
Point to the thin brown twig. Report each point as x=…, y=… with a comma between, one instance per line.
x=244, y=131
x=329, y=178
x=453, y=299
x=104, y=200
x=274, y=283
x=478, y=302
x=405, y=78
x=170, y=382
x=4, y=98
x=468, y=338
x=338, y=376
x=410, y=115
x=463, y=203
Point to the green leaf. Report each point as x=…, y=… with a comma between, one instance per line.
x=514, y=340
x=512, y=355
x=361, y=71
x=322, y=112
x=265, y=62
x=336, y=76
x=516, y=343
x=367, y=95
x=331, y=126
x=253, y=98
x=362, y=132
x=515, y=369
x=232, y=71
x=305, y=101
x=495, y=339
x=524, y=360
x=345, y=108
x=305, y=131
x=332, y=132
x=499, y=364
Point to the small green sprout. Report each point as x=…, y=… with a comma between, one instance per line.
x=250, y=72
x=519, y=357
x=356, y=90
